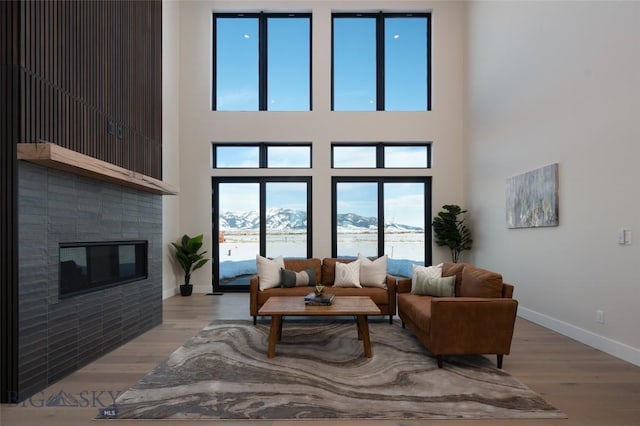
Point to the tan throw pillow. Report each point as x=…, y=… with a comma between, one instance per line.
x=478, y=282
x=269, y=271
x=432, y=286
x=373, y=273
x=347, y=274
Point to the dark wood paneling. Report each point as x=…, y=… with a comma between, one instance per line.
x=68, y=68
x=90, y=63
x=9, y=135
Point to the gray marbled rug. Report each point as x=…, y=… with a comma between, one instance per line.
x=318, y=373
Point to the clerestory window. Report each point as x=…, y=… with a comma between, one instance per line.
x=381, y=62
x=261, y=62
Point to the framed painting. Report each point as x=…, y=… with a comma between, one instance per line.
x=532, y=198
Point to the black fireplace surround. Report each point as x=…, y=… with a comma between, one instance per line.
x=87, y=267
x=60, y=334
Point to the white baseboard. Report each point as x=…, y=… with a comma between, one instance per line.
x=197, y=288
x=201, y=288
x=609, y=346
x=169, y=292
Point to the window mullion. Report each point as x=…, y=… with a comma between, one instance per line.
x=263, y=159
x=262, y=62
x=429, y=63
x=263, y=217
x=380, y=217
x=214, y=85
x=380, y=62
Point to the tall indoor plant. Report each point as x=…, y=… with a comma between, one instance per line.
x=451, y=231
x=186, y=253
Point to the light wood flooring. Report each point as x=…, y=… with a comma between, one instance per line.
x=591, y=387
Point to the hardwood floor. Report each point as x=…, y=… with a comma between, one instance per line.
x=591, y=387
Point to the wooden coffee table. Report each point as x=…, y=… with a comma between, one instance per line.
x=280, y=306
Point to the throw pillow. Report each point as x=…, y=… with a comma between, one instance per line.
x=347, y=274
x=433, y=286
x=454, y=269
x=269, y=271
x=373, y=273
x=290, y=279
x=478, y=282
x=431, y=271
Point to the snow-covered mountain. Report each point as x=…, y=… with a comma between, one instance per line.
x=281, y=219
x=288, y=219
x=245, y=220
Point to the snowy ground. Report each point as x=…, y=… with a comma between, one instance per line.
x=238, y=252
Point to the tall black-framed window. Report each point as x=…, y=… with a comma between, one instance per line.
x=261, y=62
x=374, y=216
x=269, y=216
x=381, y=155
x=263, y=155
x=381, y=62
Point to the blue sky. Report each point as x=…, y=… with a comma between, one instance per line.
x=355, y=90
x=288, y=65
x=362, y=198
x=394, y=156
x=246, y=196
x=237, y=64
x=249, y=156
x=354, y=58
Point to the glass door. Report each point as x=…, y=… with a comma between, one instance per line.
x=238, y=232
x=286, y=219
x=268, y=216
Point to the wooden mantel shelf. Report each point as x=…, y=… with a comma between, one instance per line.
x=57, y=157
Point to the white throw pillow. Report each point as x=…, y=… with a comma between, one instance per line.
x=269, y=271
x=373, y=273
x=347, y=274
x=429, y=271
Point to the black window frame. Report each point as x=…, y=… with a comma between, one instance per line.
x=262, y=53
x=263, y=153
x=380, y=51
x=380, y=154
x=381, y=180
x=215, y=222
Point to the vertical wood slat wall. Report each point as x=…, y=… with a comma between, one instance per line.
x=9, y=135
x=67, y=69
x=90, y=63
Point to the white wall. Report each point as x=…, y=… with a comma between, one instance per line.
x=560, y=82
x=170, y=140
x=199, y=126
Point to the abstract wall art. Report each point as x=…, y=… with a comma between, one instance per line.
x=532, y=198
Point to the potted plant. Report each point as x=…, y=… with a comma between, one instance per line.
x=186, y=253
x=451, y=231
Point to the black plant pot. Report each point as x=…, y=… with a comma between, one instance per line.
x=186, y=289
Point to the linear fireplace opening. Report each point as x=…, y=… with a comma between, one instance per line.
x=86, y=267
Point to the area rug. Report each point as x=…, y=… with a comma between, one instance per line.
x=319, y=372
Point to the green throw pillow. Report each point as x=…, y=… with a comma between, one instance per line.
x=290, y=279
x=431, y=286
